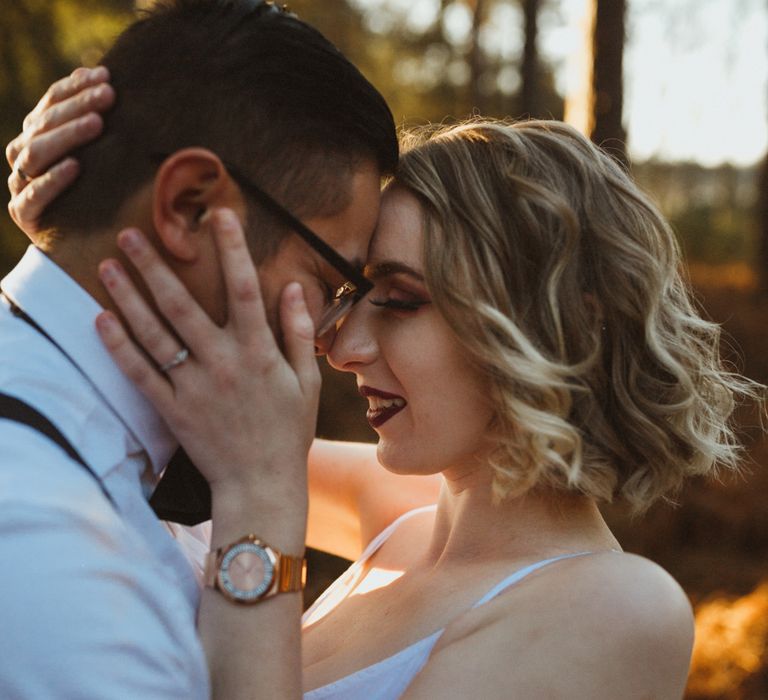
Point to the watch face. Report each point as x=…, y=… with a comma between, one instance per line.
x=246, y=572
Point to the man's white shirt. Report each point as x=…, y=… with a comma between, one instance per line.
x=96, y=600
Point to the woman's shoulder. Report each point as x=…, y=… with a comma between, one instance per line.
x=604, y=589
x=628, y=601
x=624, y=584
x=608, y=624
x=626, y=606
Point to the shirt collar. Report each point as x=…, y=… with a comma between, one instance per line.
x=68, y=314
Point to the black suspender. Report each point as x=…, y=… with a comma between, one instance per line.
x=182, y=495
x=24, y=316
x=15, y=409
x=21, y=412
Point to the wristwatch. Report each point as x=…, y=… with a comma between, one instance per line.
x=249, y=570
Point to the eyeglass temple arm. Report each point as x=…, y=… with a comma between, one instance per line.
x=363, y=284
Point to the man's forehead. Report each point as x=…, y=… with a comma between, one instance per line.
x=350, y=230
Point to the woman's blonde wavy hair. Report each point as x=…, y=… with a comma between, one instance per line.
x=562, y=282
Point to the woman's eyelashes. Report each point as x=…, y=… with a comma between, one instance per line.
x=398, y=300
x=398, y=304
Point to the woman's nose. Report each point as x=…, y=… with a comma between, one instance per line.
x=353, y=341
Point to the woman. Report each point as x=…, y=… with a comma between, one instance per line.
x=529, y=339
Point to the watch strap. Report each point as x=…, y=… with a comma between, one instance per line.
x=291, y=573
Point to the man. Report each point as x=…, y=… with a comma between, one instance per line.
x=222, y=106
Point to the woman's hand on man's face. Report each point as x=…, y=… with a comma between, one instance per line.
x=67, y=116
x=244, y=412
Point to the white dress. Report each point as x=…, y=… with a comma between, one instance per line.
x=388, y=679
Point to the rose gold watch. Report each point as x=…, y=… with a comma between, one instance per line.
x=249, y=570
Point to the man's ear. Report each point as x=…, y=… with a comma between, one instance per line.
x=190, y=183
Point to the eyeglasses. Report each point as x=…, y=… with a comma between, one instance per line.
x=349, y=293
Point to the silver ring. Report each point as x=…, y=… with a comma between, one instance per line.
x=22, y=174
x=179, y=358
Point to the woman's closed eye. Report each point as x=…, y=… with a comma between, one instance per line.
x=397, y=300
x=398, y=304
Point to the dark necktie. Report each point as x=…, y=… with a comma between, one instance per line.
x=183, y=495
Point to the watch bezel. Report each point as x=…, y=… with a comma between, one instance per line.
x=253, y=595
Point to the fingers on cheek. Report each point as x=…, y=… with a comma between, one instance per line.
x=120, y=347
x=132, y=243
x=110, y=331
x=136, y=369
x=178, y=308
x=110, y=274
x=295, y=316
x=246, y=289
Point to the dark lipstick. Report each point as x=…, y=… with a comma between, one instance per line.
x=383, y=407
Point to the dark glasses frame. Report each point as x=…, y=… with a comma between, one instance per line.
x=356, y=286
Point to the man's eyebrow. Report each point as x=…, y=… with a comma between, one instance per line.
x=391, y=267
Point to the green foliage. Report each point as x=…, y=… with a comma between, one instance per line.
x=40, y=41
x=715, y=234
x=711, y=209
x=421, y=67
x=86, y=30
x=419, y=60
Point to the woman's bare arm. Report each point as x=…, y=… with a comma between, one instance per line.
x=352, y=497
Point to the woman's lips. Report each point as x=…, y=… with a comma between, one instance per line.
x=381, y=405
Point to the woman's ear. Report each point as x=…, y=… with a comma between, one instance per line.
x=189, y=184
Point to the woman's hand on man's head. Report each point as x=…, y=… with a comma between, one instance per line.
x=65, y=118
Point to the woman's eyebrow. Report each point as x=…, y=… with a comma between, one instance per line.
x=390, y=267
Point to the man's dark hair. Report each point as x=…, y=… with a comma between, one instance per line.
x=251, y=82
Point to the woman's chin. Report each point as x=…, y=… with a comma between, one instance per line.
x=403, y=460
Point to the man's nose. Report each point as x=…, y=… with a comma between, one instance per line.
x=324, y=342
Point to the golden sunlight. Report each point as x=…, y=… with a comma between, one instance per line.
x=579, y=99
x=731, y=644
x=351, y=584
x=377, y=578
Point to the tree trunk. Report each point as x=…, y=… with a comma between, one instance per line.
x=607, y=78
x=762, y=216
x=529, y=70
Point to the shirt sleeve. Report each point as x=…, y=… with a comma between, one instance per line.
x=195, y=543
x=83, y=617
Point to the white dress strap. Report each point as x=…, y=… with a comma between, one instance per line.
x=375, y=544
x=350, y=575
x=522, y=573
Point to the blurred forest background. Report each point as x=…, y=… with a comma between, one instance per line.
x=438, y=60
